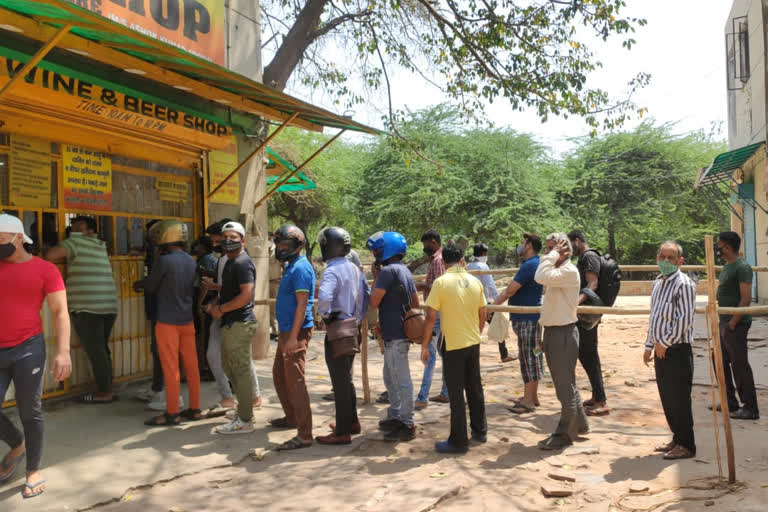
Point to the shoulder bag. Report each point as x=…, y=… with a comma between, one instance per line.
x=413, y=321
x=343, y=335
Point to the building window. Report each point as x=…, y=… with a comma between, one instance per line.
x=737, y=53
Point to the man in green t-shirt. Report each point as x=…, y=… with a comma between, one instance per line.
x=92, y=299
x=735, y=290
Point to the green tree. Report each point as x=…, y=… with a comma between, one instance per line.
x=527, y=53
x=631, y=190
x=491, y=184
x=331, y=171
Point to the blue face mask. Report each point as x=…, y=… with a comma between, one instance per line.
x=520, y=249
x=666, y=268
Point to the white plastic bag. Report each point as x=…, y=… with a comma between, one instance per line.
x=499, y=328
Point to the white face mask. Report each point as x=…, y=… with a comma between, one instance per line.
x=481, y=259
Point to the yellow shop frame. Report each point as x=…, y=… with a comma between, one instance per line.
x=136, y=199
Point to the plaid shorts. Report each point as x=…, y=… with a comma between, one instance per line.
x=529, y=336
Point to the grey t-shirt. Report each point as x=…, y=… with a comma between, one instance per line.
x=354, y=258
x=172, y=280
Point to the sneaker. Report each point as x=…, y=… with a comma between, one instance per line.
x=159, y=404
x=389, y=425
x=236, y=426
x=402, y=433
x=147, y=395
x=383, y=398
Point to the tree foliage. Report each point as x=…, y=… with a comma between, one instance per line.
x=529, y=53
x=630, y=190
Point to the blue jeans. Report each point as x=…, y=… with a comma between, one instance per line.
x=398, y=381
x=429, y=370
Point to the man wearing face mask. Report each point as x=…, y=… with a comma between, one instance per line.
x=27, y=281
x=670, y=334
x=172, y=280
x=226, y=403
x=523, y=290
x=480, y=262
x=92, y=299
x=735, y=290
x=238, y=324
x=295, y=319
x=433, y=247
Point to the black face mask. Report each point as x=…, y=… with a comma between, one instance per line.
x=219, y=249
x=429, y=251
x=7, y=250
x=231, y=246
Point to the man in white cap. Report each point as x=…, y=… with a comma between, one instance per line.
x=26, y=282
x=238, y=324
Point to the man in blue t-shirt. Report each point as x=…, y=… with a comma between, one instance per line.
x=525, y=291
x=293, y=309
x=394, y=287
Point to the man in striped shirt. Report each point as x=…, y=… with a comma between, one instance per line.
x=670, y=334
x=92, y=299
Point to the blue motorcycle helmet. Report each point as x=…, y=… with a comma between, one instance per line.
x=386, y=245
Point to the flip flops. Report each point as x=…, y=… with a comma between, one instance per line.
x=31, y=487
x=217, y=410
x=164, y=420
x=191, y=414
x=282, y=423
x=294, y=443
x=597, y=411
x=521, y=408
x=12, y=464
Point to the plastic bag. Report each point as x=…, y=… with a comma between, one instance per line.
x=499, y=328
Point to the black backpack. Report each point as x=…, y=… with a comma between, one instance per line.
x=609, y=279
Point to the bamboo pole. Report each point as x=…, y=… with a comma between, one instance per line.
x=713, y=320
x=596, y=310
x=364, y=361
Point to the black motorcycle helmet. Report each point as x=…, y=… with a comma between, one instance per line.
x=334, y=242
x=290, y=233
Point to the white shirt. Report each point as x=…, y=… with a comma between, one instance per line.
x=561, y=292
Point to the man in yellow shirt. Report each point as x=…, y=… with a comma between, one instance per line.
x=460, y=300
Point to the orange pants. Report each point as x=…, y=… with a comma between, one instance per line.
x=173, y=340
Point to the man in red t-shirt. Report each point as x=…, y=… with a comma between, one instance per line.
x=27, y=282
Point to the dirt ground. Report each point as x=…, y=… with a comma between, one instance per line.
x=507, y=473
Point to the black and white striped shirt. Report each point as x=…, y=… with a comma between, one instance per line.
x=673, y=309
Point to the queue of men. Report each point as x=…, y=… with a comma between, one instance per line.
x=455, y=304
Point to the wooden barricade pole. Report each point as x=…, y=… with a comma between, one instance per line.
x=714, y=322
x=364, y=360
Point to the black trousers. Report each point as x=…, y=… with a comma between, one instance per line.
x=340, y=369
x=590, y=361
x=462, y=372
x=157, y=368
x=94, y=331
x=736, y=366
x=674, y=378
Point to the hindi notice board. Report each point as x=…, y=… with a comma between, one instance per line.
x=173, y=191
x=221, y=163
x=30, y=172
x=87, y=179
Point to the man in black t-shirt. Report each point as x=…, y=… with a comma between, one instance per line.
x=589, y=272
x=238, y=324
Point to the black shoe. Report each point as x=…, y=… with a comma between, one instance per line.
x=554, y=442
x=745, y=414
x=402, y=433
x=732, y=408
x=389, y=425
x=383, y=398
x=447, y=447
x=479, y=437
